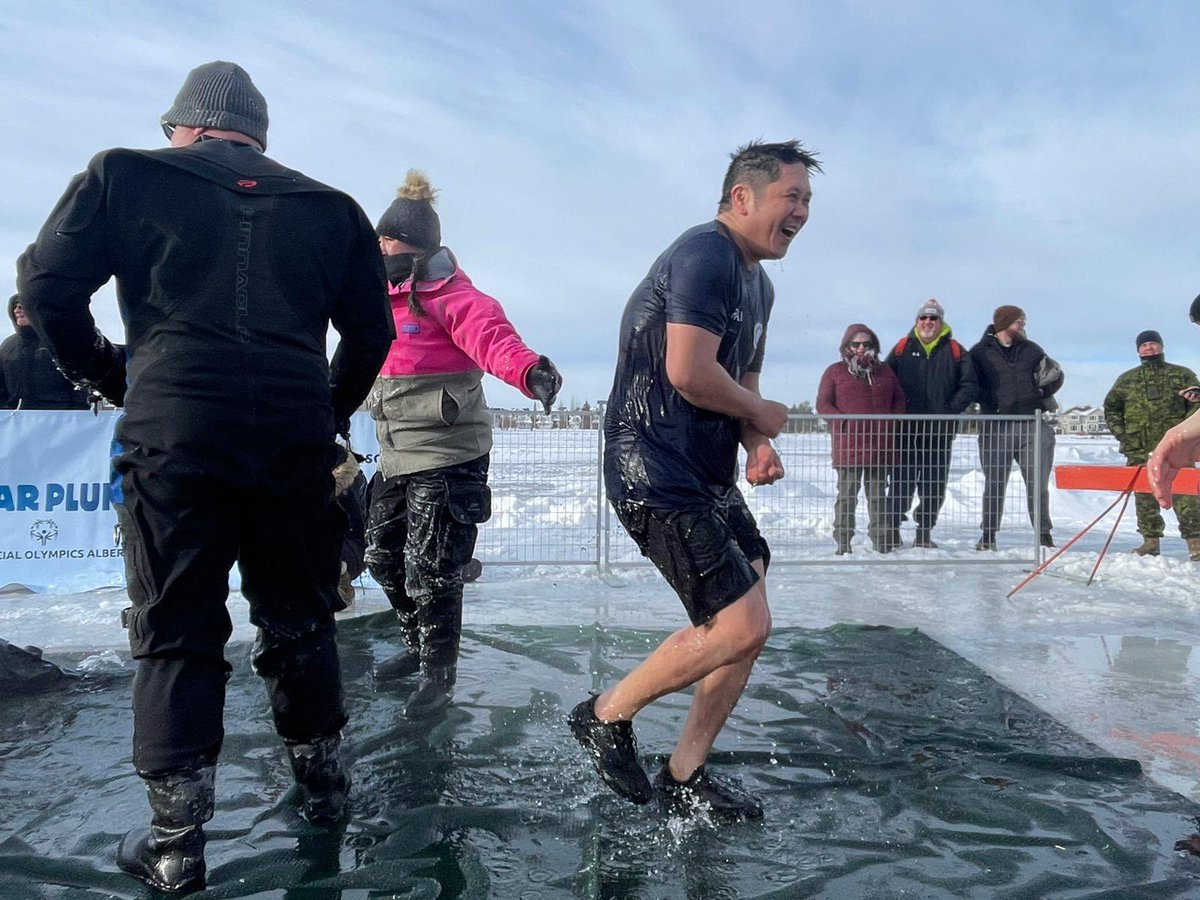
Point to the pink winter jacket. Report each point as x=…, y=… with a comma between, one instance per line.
x=428, y=401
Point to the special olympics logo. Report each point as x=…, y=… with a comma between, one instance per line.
x=44, y=530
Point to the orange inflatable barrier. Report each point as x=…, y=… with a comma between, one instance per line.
x=1117, y=478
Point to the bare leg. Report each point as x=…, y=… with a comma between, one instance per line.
x=717, y=657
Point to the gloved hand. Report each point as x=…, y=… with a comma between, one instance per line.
x=104, y=375
x=342, y=430
x=543, y=382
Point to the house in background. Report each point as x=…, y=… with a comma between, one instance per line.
x=1082, y=420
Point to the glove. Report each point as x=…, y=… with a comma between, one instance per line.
x=104, y=375
x=342, y=430
x=543, y=381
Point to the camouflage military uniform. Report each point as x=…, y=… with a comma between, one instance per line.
x=1143, y=403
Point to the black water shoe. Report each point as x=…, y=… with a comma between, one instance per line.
x=723, y=800
x=402, y=665
x=613, y=749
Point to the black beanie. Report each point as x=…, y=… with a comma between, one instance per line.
x=1148, y=335
x=411, y=217
x=1194, y=312
x=220, y=95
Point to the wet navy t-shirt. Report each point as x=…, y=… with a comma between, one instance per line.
x=660, y=449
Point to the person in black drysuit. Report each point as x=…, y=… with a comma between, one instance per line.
x=230, y=268
x=28, y=377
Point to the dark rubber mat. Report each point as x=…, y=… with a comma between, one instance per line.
x=888, y=767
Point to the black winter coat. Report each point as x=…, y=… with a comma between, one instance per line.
x=934, y=384
x=1007, y=377
x=29, y=379
x=229, y=270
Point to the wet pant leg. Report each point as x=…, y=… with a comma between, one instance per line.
x=445, y=507
x=387, y=535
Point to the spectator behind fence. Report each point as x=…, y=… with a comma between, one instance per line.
x=29, y=379
x=1143, y=403
x=230, y=268
x=863, y=449
x=435, y=435
x=1016, y=378
x=938, y=378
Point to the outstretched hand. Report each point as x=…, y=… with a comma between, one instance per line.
x=544, y=382
x=1178, y=449
x=763, y=465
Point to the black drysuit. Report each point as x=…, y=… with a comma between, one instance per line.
x=229, y=269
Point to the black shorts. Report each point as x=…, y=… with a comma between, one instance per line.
x=704, y=552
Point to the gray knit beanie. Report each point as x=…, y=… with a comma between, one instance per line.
x=220, y=95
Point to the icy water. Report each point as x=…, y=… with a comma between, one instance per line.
x=888, y=766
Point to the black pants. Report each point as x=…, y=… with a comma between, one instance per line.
x=421, y=530
x=924, y=464
x=182, y=534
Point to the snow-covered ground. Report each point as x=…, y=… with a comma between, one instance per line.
x=1115, y=660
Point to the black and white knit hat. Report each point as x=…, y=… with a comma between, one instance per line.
x=220, y=95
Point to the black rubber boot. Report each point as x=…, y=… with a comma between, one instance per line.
x=170, y=855
x=407, y=661
x=441, y=630
x=323, y=781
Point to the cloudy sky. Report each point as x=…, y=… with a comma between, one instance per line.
x=1037, y=153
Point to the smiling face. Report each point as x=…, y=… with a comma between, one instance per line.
x=1150, y=348
x=764, y=222
x=928, y=327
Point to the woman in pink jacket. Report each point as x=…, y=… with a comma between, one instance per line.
x=863, y=449
x=435, y=433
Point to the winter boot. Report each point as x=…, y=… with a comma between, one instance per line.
x=923, y=540
x=987, y=541
x=1149, y=547
x=433, y=694
x=170, y=855
x=843, y=545
x=441, y=624
x=323, y=781
x=1194, y=549
x=407, y=661
x=1047, y=539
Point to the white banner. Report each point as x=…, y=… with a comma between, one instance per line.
x=57, y=523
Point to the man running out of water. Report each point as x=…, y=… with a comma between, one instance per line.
x=684, y=396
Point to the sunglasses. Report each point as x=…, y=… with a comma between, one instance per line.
x=859, y=344
x=929, y=318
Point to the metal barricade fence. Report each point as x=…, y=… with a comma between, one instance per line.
x=548, y=504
